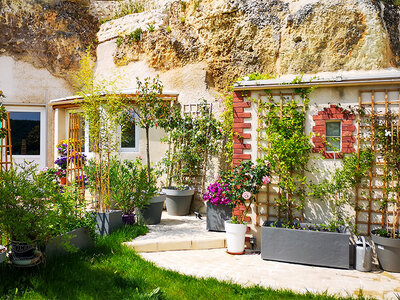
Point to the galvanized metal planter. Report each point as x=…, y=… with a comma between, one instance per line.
x=107, y=222
x=217, y=215
x=318, y=248
x=78, y=238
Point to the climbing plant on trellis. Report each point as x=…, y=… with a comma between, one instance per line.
x=283, y=199
x=378, y=199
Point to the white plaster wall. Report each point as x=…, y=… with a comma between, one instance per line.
x=23, y=83
x=189, y=81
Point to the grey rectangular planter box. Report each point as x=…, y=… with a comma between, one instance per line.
x=327, y=249
x=78, y=238
x=107, y=222
x=217, y=215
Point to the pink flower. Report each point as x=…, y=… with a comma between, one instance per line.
x=220, y=100
x=217, y=177
x=140, y=157
x=246, y=195
x=266, y=180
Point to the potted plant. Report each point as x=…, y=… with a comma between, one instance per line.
x=133, y=190
x=244, y=182
x=387, y=239
x=191, y=139
x=33, y=209
x=219, y=205
x=61, y=161
x=104, y=109
x=149, y=202
x=320, y=244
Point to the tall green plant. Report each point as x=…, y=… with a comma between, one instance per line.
x=192, y=140
x=103, y=108
x=289, y=147
x=387, y=141
x=152, y=110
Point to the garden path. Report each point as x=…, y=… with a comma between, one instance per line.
x=250, y=269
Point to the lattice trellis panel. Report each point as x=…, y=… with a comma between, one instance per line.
x=5, y=159
x=266, y=207
x=74, y=154
x=5, y=145
x=375, y=104
x=199, y=181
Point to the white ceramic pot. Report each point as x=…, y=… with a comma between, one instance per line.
x=235, y=236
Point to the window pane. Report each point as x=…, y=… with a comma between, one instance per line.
x=332, y=128
x=128, y=136
x=333, y=144
x=25, y=133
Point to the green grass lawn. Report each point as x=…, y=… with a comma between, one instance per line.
x=112, y=271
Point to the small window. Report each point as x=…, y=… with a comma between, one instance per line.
x=25, y=133
x=129, y=136
x=333, y=138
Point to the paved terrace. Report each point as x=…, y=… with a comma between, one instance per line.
x=204, y=255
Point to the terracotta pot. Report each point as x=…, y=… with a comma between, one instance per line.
x=63, y=180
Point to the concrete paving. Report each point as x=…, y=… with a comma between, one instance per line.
x=178, y=233
x=250, y=269
x=187, y=232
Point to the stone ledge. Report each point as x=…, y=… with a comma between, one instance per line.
x=176, y=244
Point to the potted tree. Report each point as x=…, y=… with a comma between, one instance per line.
x=387, y=239
x=152, y=111
x=244, y=182
x=191, y=139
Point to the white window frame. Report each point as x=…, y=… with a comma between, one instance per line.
x=340, y=135
x=137, y=136
x=41, y=158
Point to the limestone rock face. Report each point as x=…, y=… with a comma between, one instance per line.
x=236, y=37
x=48, y=34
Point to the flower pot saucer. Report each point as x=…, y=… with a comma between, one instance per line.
x=236, y=253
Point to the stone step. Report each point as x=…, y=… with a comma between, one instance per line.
x=176, y=244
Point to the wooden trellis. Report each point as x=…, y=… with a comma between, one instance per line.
x=193, y=109
x=5, y=146
x=5, y=158
x=375, y=105
x=266, y=207
x=75, y=160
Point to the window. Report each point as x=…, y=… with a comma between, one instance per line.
x=25, y=133
x=333, y=138
x=130, y=134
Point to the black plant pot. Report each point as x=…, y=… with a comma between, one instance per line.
x=22, y=251
x=388, y=251
x=217, y=215
x=151, y=213
x=128, y=219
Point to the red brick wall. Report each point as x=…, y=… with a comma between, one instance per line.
x=333, y=113
x=241, y=120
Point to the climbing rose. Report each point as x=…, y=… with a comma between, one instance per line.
x=266, y=180
x=246, y=195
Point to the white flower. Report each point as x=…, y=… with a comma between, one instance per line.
x=388, y=133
